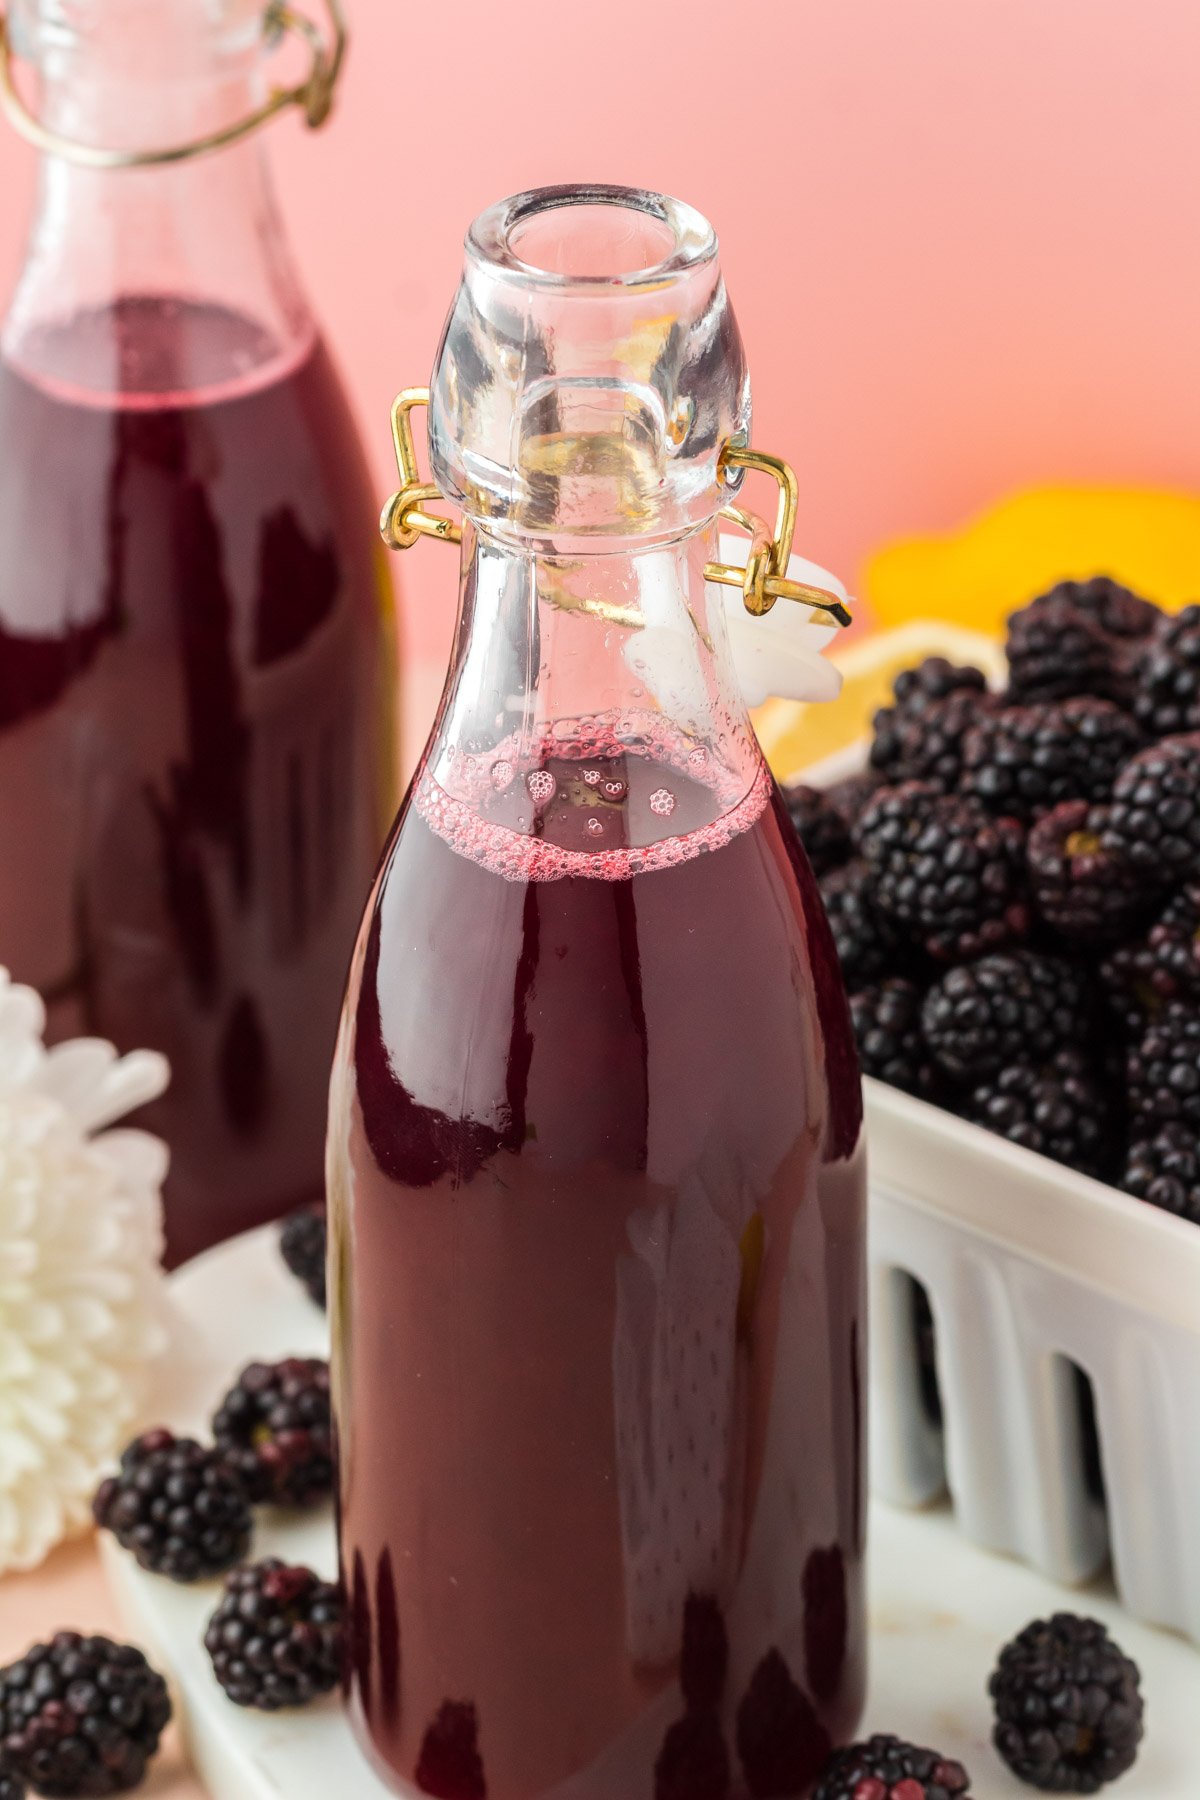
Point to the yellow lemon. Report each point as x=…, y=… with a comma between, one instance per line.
x=977, y=576
x=795, y=735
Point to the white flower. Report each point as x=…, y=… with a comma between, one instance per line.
x=82, y=1311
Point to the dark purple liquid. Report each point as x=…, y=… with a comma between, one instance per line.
x=598, y=1220
x=195, y=733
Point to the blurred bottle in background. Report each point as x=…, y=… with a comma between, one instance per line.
x=197, y=653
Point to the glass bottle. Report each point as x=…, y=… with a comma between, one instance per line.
x=595, y=1166
x=197, y=658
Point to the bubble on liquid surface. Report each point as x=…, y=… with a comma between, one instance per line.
x=698, y=757
x=592, y=777
x=614, y=788
x=595, y=828
x=541, y=785
x=662, y=802
x=502, y=774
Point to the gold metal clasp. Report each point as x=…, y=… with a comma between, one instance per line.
x=404, y=518
x=764, y=578
x=313, y=95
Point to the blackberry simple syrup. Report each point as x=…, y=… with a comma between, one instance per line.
x=195, y=641
x=595, y=1166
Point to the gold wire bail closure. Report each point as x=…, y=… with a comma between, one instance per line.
x=313, y=95
x=764, y=578
x=404, y=518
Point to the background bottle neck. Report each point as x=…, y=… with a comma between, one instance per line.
x=112, y=253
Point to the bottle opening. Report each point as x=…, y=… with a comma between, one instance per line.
x=614, y=236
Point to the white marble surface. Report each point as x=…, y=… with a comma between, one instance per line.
x=939, y=1608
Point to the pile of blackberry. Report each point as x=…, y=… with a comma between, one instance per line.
x=1014, y=889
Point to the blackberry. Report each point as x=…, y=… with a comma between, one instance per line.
x=1116, y=609
x=693, y=1763
x=1068, y=1706
x=1024, y=760
x=1057, y=650
x=450, y=1766
x=868, y=944
x=1163, y=1071
x=927, y=744
x=851, y=794
x=704, y=1658
x=1163, y=1168
x=1154, y=818
x=80, y=1715
x=273, y=1429
x=945, y=870
x=887, y=1029
x=302, y=1239
x=1059, y=1108
x=177, y=1506
x=933, y=679
x=1081, y=886
x=886, y=1768
x=820, y=827
x=1163, y=966
x=276, y=1638
x=1166, y=699
x=1013, y=1005
x=781, y=1742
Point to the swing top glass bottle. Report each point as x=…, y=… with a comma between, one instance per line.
x=595, y=1170
x=196, y=652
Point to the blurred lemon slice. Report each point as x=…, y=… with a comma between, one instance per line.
x=795, y=734
x=975, y=577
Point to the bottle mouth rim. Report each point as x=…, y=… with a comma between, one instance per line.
x=686, y=240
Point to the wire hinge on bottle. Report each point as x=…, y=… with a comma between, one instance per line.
x=313, y=95
x=764, y=580
x=404, y=518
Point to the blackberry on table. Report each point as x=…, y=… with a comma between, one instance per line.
x=274, y=1429
x=887, y=1029
x=1154, y=816
x=302, y=1241
x=820, y=827
x=946, y=870
x=868, y=944
x=450, y=1766
x=1026, y=759
x=177, y=1506
x=1069, y=1711
x=927, y=744
x=80, y=1715
x=1163, y=1071
x=1081, y=886
x=886, y=1768
x=1166, y=699
x=1057, y=650
x=1116, y=609
x=781, y=1742
x=276, y=1638
x=1010, y=1006
x=1163, y=1168
x=1059, y=1108
x=693, y=1763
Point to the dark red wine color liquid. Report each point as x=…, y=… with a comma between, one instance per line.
x=195, y=736
x=598, y=1272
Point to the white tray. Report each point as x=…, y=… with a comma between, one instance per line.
x=939, y=1608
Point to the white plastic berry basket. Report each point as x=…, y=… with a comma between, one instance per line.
x=1036, y=1277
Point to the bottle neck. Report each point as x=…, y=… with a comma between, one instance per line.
x=614, y=666
x=164, y=280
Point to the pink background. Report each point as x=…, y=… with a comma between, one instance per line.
x=960, y=234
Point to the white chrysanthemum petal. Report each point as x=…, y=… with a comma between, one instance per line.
x=81, y=1297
